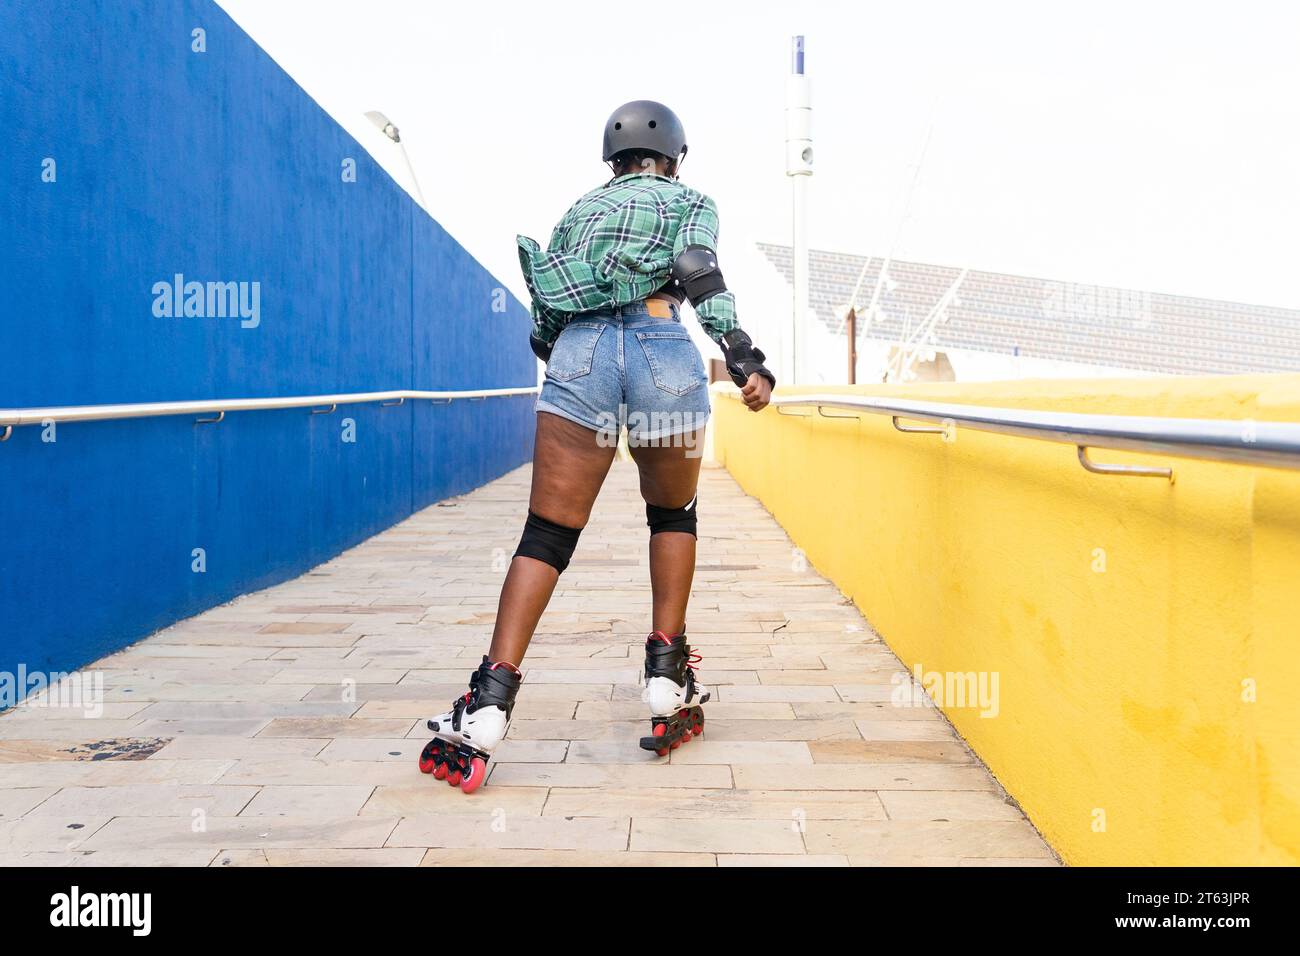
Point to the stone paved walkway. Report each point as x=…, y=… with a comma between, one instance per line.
x=284, y=728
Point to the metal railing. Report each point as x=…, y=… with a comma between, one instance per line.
x=11, y=418
x=1243, y=441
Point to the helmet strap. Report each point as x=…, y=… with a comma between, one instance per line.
x=677, y=166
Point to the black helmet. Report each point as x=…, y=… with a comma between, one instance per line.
x=644, y=124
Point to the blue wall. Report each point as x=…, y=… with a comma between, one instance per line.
x=218, y=166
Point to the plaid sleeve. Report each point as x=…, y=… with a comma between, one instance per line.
x=699, y=227
x=547, y=322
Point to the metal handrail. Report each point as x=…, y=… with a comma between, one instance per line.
x=11, y=417
x=1242, y=441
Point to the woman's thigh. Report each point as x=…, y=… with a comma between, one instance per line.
x=670, y=471
x=569, y=466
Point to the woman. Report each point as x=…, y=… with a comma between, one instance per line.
x=606, y=295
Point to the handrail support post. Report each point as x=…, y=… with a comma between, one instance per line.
x=1135, y=471
x=919, y=429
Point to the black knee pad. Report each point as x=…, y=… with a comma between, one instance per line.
x=547, y=541
x=671, y=519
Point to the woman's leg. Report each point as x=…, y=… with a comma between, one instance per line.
x=569, y=466
x=669, y=476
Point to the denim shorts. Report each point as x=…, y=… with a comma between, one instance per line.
x=625, y=368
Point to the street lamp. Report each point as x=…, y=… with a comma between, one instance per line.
x=389, y=129
x=798, y=166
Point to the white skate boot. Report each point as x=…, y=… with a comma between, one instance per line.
x=672, y=692
x=467, y=734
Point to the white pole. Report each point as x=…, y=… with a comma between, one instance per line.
x=798, y=360
x=798, y=166
x=910, y=344
x=415, y=180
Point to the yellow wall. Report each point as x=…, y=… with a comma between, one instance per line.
x=1121, y=690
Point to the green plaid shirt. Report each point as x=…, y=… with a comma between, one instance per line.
x=615, y=246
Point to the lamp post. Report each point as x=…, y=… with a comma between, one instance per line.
x=798, y=166
x=389, y=129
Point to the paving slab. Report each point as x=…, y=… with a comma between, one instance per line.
x=283, y=728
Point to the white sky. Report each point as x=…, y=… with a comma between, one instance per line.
x=1152, y=145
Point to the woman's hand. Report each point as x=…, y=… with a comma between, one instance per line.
x=757, y=392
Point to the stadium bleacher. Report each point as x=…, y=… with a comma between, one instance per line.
x=1050, y=319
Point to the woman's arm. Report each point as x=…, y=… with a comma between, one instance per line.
x=696, y=272
x=714, y=307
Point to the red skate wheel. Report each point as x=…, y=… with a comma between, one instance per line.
x=475, y=774
x=676, y=744
x=454, y=775
x=697, y=729
x=440, y=771
x=660, y=730
x=429, y=756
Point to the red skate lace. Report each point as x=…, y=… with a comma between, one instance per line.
x=459, y=704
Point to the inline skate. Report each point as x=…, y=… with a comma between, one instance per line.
x=476, y=724
x=672, y=692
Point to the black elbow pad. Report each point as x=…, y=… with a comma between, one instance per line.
x=696, y=273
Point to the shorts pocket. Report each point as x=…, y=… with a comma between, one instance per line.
x=675, y=363
x=574, y=351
